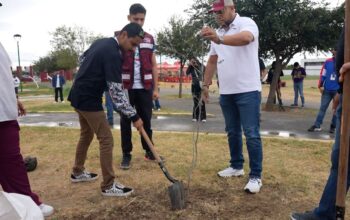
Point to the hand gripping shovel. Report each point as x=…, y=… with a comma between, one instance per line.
x=176, y=190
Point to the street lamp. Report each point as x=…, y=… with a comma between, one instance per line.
x=18, y=38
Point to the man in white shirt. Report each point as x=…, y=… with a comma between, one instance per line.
x=13, y=174
x=234, y=53
x=16, y=83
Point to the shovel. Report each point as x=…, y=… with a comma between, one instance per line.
x=176, y=190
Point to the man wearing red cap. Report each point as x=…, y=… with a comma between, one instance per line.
x=234, y=53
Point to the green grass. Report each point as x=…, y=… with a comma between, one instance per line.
x=47, y=106
x=30, y=89
x=176, y=96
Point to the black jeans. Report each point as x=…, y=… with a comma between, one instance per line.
x=196, y=94
x=198, y=109
x=142, y=100
x=58, y=90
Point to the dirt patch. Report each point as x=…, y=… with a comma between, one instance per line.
x=294, y=176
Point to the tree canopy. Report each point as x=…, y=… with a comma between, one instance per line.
x=68, y=43
x=286, y=28
x=180, y=41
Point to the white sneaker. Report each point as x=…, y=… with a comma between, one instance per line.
x=204, y=120
x=63, y=102
x=253, y=186
x=46, y=209
x=194, y=120
x=229, y=172
x=117, y=190
x=84, y=177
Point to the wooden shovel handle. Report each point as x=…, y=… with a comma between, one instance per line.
x=150, y=144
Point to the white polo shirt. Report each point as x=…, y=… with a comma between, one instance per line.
x=8, y=101
x=238, y=66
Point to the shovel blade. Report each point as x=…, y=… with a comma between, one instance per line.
x=177, y=195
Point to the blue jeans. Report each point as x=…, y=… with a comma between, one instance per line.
x=156, y=104
x=243, y=111
x=299, y=89
x=110, y=108
x=327, y=97
x=326, y=208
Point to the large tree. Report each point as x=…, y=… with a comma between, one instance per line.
x=74, y=38
x=66, y=59
x=68, y=43
x=180, y=41
x=46, y=64
x=287, y=27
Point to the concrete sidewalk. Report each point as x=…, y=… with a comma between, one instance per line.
x=292, y=123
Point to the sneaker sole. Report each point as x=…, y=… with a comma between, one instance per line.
x=250, y=192
x=124, y=167
x=315, y=130
x=228, y=176
x=117, y=195
x=84, y=180
x=47, y=214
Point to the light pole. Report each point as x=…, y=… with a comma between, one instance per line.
x=18, y=38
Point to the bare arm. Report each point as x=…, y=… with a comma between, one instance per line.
x=241, y=39
x=345, y=69
x=210, y=69
x=208, y=76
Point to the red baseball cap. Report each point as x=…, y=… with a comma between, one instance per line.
x=218, y=5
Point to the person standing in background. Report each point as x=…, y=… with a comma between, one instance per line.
x=298, y=75
x=16, y=82
x=57, y=83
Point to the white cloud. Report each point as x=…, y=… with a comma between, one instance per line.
x=35, y=19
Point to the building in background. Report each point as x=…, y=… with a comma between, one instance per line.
x=313, y=66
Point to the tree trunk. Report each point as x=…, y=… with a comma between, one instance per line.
x=273, y=86
x=180, y=80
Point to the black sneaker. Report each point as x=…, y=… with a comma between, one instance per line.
x=125, y=164
x=332, y=130
x=314, y=128
x=304, y=216
x=117, y=190
x=84, y=177
x=150, y=157
x=294, y=105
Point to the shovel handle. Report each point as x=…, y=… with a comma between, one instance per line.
x=150, y=145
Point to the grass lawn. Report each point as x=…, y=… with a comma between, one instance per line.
x=46, y=105
x=294, y=176
x=30, y=89
x=311, y=91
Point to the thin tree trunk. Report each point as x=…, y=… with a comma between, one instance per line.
x=180, y=80
x=273, y=86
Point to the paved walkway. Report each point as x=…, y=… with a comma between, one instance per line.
x=284, y=124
